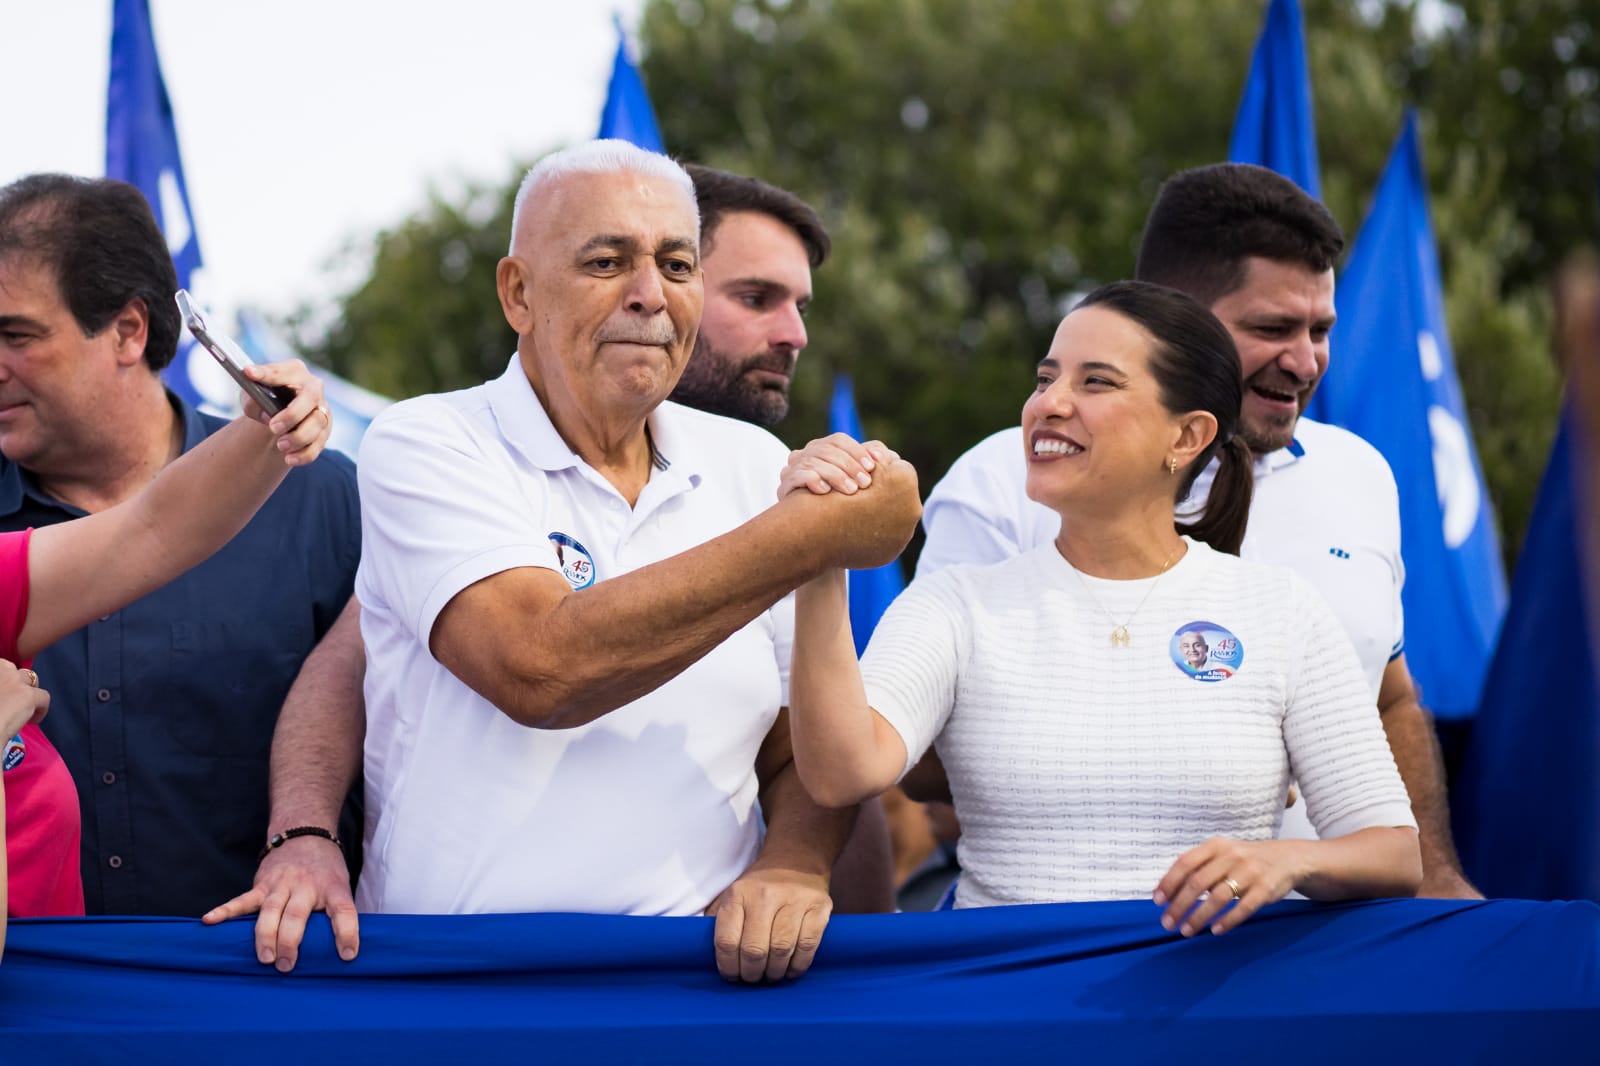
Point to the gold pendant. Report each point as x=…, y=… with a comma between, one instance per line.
x=1120, y=637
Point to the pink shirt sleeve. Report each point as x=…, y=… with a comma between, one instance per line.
x=13, y=590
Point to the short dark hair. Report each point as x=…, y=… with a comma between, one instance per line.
x=100, y=240
x=719, y=192
x=1196, y=367
x=1207, y=221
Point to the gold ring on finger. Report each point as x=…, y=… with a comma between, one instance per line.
x=1233, y=886
x=33, y=678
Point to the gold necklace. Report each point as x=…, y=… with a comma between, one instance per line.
x=1120, y=637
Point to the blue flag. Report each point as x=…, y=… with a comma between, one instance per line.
x=142, y=150
x=1392, y=380
x=1527, y=811
x=871, y=591
x=1275, y=127
x=628, y=115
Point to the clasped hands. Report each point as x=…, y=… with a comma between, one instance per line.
x=868, y=493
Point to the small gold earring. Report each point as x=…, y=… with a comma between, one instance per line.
x=1172, y=466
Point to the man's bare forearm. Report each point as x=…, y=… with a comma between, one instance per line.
x=1416, y=753
x=509, y=637
x=801, y=834
x=316, y=748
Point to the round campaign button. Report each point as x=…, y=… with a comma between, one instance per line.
x=1206, y=651
x=577, y=565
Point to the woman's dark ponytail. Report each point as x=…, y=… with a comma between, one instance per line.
x=1222, y=523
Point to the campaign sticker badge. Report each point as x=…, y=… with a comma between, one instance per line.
x=1206, y=651
x=15, y=752
x=577, y=565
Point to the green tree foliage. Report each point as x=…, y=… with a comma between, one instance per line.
x=427, y=318
x=980, y=163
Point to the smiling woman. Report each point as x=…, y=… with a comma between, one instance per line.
x=1117, y=711
x=1149, y=380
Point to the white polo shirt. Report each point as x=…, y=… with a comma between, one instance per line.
x=1326, y=507
x=651, y=809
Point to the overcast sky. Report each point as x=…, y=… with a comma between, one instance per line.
x=305, y=123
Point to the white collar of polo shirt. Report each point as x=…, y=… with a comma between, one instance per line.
x=525, y=425
x=1274, y=461
x=523, y=422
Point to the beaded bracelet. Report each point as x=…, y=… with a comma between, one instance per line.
x=299, y=831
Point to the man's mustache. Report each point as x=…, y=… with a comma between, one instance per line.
x=661, y=334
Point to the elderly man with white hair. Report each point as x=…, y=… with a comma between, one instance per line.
x=575, y=603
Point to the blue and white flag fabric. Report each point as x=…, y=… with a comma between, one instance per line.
x=142, y=150
x=871, y=591
x=1275, y=127
x=628, y=115
x=1392, y=380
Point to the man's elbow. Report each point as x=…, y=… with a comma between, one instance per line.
x=524, y=682
x=536, y=698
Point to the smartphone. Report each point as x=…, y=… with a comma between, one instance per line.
x=270, y=398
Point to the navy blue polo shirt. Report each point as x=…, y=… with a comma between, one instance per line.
x=164, y=711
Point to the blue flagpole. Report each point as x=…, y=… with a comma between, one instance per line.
x=628, y=115
x=1393, y=381
x=142, y=150
x=1275, y=126
x=871, y=591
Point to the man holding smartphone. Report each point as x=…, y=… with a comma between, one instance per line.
x=163, y=711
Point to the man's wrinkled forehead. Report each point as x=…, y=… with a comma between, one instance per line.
x=577, y=208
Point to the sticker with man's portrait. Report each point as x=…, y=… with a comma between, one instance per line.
x=1206, y=651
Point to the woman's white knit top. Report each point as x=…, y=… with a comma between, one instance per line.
x=1082, y=770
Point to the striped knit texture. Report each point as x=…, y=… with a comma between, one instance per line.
x=1082, y=770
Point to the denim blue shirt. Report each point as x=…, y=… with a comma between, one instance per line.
x=164, y=711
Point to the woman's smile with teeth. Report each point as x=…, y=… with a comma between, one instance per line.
x=1055, y=447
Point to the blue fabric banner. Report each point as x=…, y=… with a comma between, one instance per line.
x=142, y=150
x=871, y=591
x=1102, y=983
x=1275, y=126
x=628, y=115
x=1392, y=380
x=1527, y=809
